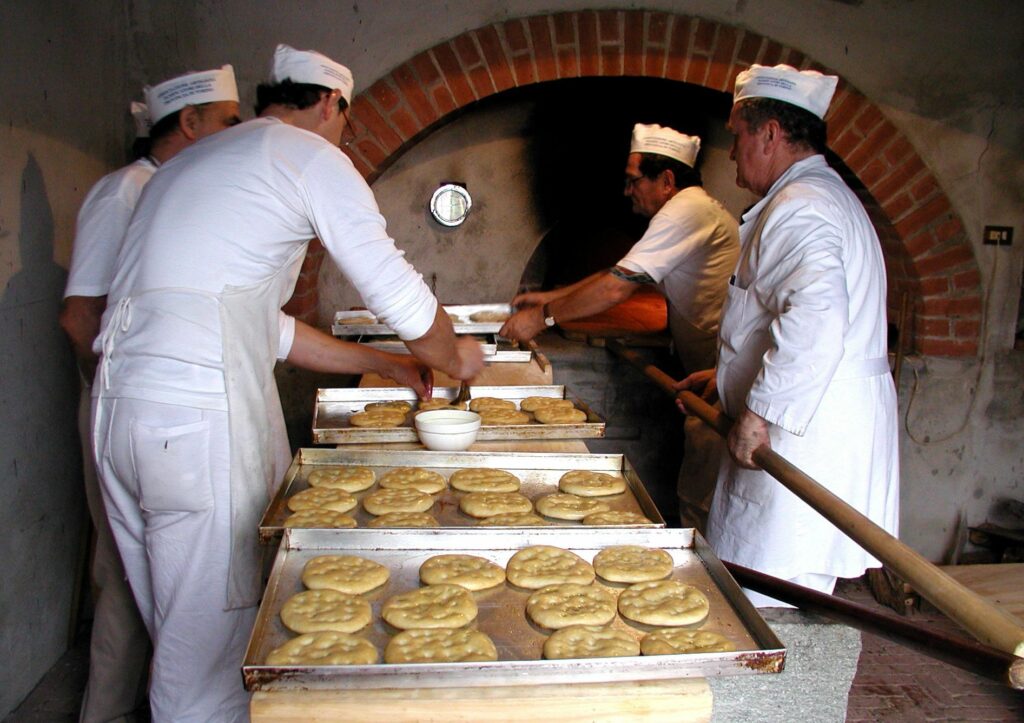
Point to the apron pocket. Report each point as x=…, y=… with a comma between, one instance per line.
x=172, y=466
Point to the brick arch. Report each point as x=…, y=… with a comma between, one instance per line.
x=927, y=250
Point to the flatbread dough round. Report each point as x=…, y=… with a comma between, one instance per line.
x=404, y=519
x=563, y=506
x=557, y=415
x=633, y=563
x=395, y=406
x=492, y=317
x=559, y=606
x=479, y=404
x=587, y=483
x=381, y=502
x=663, y=602
x=350, y=479
x=532, y=404
x=589, y=641
x=681, y=640
x=440, y=645
x=542, y=565
x=377, y=418
x=413, y=478
x=357, y=320
x=469, y=571
x=500, y=417
x=484, y=479
x=616, y=517
x=319, y=518
x=345, y=573
x=439, y=403
x=328, y=498
x=313, y=611
x=327, y=648
x=514, y=519
x=488, y=504
x=435, y=606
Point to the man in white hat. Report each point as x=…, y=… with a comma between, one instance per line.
x=184, y=109
x=185, y=393
x=688, y=251
x=802, y=364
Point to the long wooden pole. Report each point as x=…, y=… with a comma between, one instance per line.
x=980, y=618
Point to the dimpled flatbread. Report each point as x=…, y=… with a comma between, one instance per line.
x=469, y=571
x=587, y=483
x=532, y=404
x=328, y=498
x=326, y=648
x=319, y=518
x=440, y=403
x=633, y=563
x=313, y=611
x=589, y=641
x=478, y=404
x=377, y=418
x=435, y=606
x=542, y=565
x=350, y=479
x=395, y=406
x=559, y=606
x=663, y=602
x=514, y=519
x=484, y=479
x=381, y=502
x=413, y=478
x=616, y=517
x=345, y=573
x=404, y=519
x=502, y=417
x=676, y=640
x=488, y=504
x=557, y=415
x=440, y=645
x=564, y=506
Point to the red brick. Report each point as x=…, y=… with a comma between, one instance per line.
x=845, y=143
x=515, y=36
x=966, y=329
x=844, y=111
x=611, y=60
x=453, y=75
x=946, y=347
x=466, y=50
x=932, y=327
x=443, y=99
x=697, y=69
x=364, y=111
x=654, y=62
x=565, y=28
x=405, y=123
x=967, y=279
x=899, y=150
x=944, y=260
x=949, y=229
x=897, y=206
x=371, y=152
x=494, y=55
x=361, y=166
x=566, y=61
x=898, y=180
x=867, y=119
x=924, y=188
x=734, y=70
x=384, y=94
x=920, y=243
x=704, y=38
x=480, y=81
x=678, y=49
x=543, y=53
x=859, y=157
x=967, y=306
x=414, y=96
x=608, y=26
x=657, y=28
x=933, y=286
x=587, y=26
x=749, y=47
x=795, y=58
x=771, y=53
x=872, y=172
x=923, y=215
x=633, y=44
x=721, y=60
x=523, y=70
x=424, y=66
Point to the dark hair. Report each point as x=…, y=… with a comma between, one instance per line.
x=802, y=128
x=653, y=164
x=294, y=95
x=165, y=126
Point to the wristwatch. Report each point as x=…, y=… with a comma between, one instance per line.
x=549, y=320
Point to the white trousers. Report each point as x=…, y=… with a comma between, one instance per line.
x=119, y=649
x=164, y=471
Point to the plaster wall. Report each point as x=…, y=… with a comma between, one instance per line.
x=59, y=86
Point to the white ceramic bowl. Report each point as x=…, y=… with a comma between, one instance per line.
x=447, y=430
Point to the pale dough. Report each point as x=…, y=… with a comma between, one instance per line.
x=357, y=320
x=440, y=403
x=403, y=519
x=559, y=606
x=439, y=645
x=350, y=479
x=563, y=506
x=319, y=518
x=327, y=648
x=587, y=483
x=488, y=504
x=483, y=479
x=633, y=563
x=413, y=478
x=557, y=415
x=478, y=404
x=377, y=418
x=380, y=502
x=435, y=606
x=469, y=571
x=542, y=565
x=664, y=602
x=680, y=640
x=313, y=611
x=513, y=519
x=328, y=498
x=588, y=641
x=489, y=316
x=616, y=517
x=345, y=573
x=395, y=406
x=532, y=404
x=500, y=417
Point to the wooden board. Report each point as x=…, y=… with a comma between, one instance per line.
x=495, y=374
x=1002, y=585
x=687, y=699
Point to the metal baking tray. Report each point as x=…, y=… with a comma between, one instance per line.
x=461, y=314
x=539, y=473
x=335, y=406
x=502, y=612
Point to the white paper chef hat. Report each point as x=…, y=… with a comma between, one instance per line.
x=140, y=115
x=309, y=66
x=665, y=142
x=807, y=89
x=206, y=86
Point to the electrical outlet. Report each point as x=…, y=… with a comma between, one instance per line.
x=998, y=235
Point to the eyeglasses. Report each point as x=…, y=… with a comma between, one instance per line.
x=631, y=181
x=348, y=134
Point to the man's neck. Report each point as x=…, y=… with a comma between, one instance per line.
x=168, y=147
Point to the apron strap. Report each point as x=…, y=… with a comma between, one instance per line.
x=861, y=368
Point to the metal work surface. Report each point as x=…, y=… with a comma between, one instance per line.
x=335, y=406
x=539, y=473
x=502, y=612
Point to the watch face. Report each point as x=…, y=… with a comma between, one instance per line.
x=450, y=204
